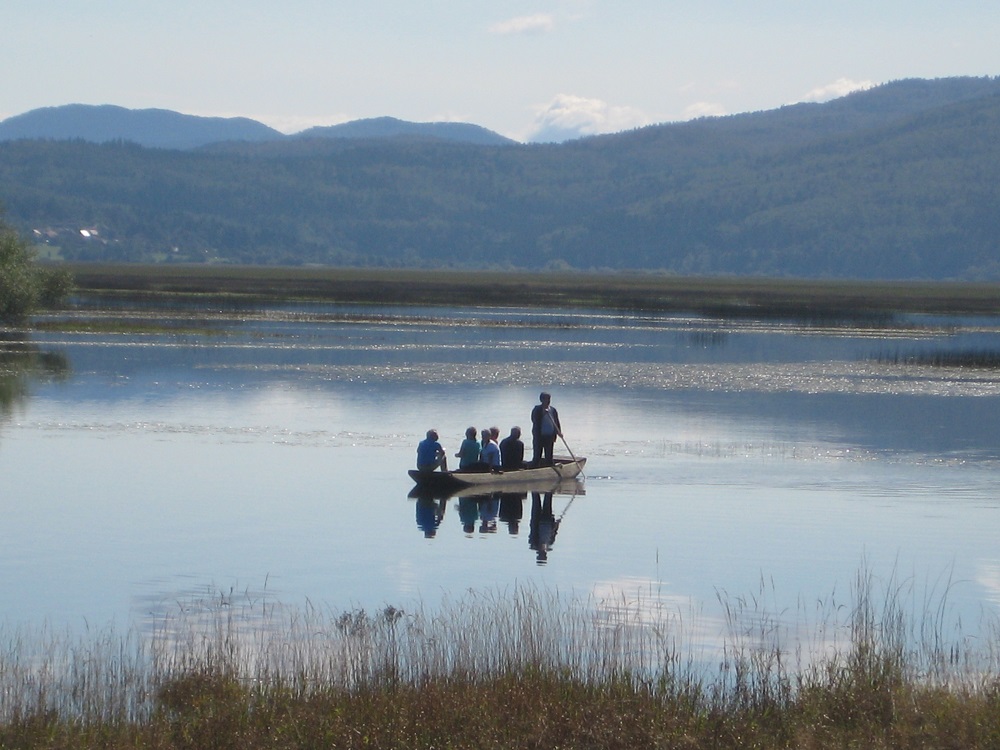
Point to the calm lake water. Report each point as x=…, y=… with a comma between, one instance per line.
x=241, y=456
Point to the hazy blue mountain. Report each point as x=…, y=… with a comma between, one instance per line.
x=156, y=128
x=161, y=128
x=390, y=127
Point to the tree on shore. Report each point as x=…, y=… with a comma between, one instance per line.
x=24, y=285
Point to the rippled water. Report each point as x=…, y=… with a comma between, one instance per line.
x=202, y=460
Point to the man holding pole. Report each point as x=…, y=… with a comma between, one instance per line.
x=545, y=429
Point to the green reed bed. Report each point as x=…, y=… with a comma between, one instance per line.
x=973, y=359
x=816, y=300
x=521, y=668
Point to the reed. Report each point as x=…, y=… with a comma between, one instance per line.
x=521, y=667
x=820, y=301
x=975, y=359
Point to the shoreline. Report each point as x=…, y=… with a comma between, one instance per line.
x=719, y=296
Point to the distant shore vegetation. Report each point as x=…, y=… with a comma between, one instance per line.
x=26, y=286
x=522, y=668
x=722, y=296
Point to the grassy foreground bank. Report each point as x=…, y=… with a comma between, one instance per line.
x=729, y=296
x=525, y=669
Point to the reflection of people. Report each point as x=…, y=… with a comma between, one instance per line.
x=430, y=454
x=468, y=513
x=489, y=507
x=468, y=452
x=512, y=451
x=544, y=430
x=511, y=510
x=543, y=526
x=489, y=454
x=429, y=515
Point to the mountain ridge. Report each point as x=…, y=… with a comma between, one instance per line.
x=392, y=127
x=162, y=128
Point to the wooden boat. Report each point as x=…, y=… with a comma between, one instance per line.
x=562, y=468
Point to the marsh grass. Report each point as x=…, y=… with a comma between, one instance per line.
x=514, y=668
x=976, y=359
x=827, y=302
x=126, y=328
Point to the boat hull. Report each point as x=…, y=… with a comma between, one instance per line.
x=562, y=468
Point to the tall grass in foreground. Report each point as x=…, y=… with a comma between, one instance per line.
x=519, y=668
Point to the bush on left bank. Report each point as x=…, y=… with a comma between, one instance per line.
x=25, y=286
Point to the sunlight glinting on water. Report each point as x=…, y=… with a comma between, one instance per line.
x=813, y=378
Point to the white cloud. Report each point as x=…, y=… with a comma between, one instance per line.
x=702, y=109
x=568, y=116
x=536, y=23
x=840, y=87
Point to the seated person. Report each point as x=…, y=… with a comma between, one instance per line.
x=430, y=454
x=489, y=454
x=468, y=453
x=512, y=451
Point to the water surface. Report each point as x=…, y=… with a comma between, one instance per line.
x=205, y=459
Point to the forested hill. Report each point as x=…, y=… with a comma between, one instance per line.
x=900, y=181
x=157, y=128
x=161, y=128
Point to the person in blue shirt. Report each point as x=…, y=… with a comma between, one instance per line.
x=430, y=454
x=489, y=454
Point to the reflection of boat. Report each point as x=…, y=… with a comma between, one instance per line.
x=562, y=468
x=572, y=486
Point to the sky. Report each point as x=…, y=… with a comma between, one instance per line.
x=527, y=69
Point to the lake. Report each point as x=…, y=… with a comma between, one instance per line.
x=157, y=461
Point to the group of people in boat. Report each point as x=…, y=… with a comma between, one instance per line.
x=484, y=451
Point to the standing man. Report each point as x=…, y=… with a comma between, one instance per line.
x=544, y=430
x=430, y=454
